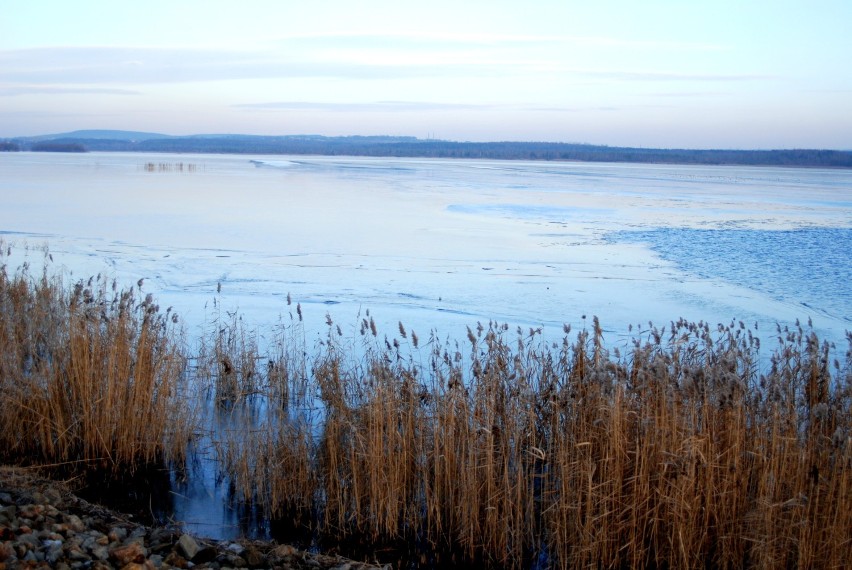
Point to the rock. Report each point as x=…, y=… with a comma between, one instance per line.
x=206, y=554
x=253, y=557
x=124, y=555
x=176, y=560
x=100, y=552
x=117, y=534
x=8, y=514
x=30, y=540
x=76, y=554
x=62, y=531
x=284, y=551
x=54, y=553
x=146, y=565
x=187, y=546
x=75, y=523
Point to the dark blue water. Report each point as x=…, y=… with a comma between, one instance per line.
x=811, y=267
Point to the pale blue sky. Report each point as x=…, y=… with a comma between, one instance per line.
x=759, y=74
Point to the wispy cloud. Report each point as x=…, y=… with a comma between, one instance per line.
x=432, y=39
x=353, y=57
x=591, y=109
x=683, y=94
x=378, y=106
x=11, y=91
x=622, y=75
x=93, y=65
x=423, y=106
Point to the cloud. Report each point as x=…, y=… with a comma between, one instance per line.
x=98, y=65
x=667, y=76
x=432, y=39
x=378, y=106
x=337, y=57
x=600, y=108
x=685, y=94
x=11, y=91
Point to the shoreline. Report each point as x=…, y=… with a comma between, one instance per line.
x=43, y=523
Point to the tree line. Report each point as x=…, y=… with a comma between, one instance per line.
x=411, y=147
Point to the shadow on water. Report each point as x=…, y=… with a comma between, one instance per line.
x=198, y=496
x=145, y=494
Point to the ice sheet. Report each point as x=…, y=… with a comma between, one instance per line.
x=442, y=244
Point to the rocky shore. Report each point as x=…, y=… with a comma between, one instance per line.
x=44, y=525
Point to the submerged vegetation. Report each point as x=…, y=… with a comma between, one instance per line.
x=693, y=447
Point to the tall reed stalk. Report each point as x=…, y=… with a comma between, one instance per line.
x=89, y=374
x=679, y=453
x=691, y=447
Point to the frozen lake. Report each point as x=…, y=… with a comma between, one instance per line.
x=442, y=244
x=436, y=244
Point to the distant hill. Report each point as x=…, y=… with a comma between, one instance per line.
x=394, y=146
x=100, y=135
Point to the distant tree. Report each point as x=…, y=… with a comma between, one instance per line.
x=58, y=147
x=8, y=146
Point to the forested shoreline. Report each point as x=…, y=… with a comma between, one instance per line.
x=411, y=147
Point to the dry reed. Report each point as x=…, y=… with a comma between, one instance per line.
x=679, y=453
x=88, y=374
x=694, y=448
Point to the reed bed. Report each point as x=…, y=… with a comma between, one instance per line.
x=689, y=450
x=170, y=167
x=690, y=446
x=90, y=374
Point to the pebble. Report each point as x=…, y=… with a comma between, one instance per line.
x=43, y=527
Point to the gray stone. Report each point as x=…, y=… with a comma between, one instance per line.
x=74, y=523
x=88, y=543
x=53, y=554
x=117, y=534
x=187, y=546
x=100, y=552
x=76, y=554
x=8, y=514
x=30, y=540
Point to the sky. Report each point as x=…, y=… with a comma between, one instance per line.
x=657, y=73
